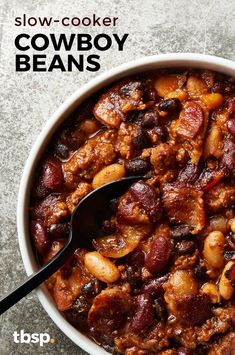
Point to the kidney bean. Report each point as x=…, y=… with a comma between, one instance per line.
x=52, y=175
x=148, y=198
x=150, y=119
x=160, y=310
x=136, y=258
x=231, y=126
x=144, y=313
x=186, y=247
x=159, y=254
x=154, y=286
x=141, y=140
x=40, y=236
x=134, y=276
x=228, y=159
x=59, y=230
x=189, y=173
x=136, y=167
x=169, y=105
x=62, y=151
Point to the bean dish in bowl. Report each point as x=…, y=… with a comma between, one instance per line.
x=161, y=278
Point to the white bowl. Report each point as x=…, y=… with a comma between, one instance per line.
x=136, y=66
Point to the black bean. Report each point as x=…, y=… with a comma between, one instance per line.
x=136, y=258
x=62, y=151
x=150, y=119
x=161, y=132
x=200, y=272
x=186, y=247
x=169, y=105
x=136, y=167
x=59, y=230
x=141, y=140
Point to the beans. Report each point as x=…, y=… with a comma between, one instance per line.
x=169, y=105
x=141, y=140
x=136, y=167
x=52, y=176
x=213, y=142
x=59, y=230
x=161, y=132
x=186, y=247
x=100, y=267
x=200, y=272
x=228, y=158
x=148, y=198
x=40, y=236
x=150, y=119
x=159, y=254
x=214, y=249
x=62, y=151
x=225, y=288
x=154, y=286
x=136, y=258
x=213, y=101
x=92, y=288
x=144, y=313
x=211, y=291
x=109, y=173
x=196, y=87
x=180, y=283
x=231, y=126
x=231, y=224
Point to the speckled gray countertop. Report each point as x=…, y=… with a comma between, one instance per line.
x=28, y=99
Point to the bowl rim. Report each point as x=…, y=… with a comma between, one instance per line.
x=139, y=65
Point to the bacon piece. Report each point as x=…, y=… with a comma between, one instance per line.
x=184, y=205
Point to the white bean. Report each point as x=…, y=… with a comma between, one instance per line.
x=225, y=288
x=101, y=267
x=109, y=173
x=214, y=249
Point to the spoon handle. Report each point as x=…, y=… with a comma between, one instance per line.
x=35, y=279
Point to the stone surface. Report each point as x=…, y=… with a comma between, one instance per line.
x=27, y=101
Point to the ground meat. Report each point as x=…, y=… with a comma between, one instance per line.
x=81, y=191
x=219, y=197
x=225, y=346
x=124, y=144
x=92, y=156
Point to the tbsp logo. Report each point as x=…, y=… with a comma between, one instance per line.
x=41, y=338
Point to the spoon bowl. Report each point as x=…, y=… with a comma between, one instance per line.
x=85, y=225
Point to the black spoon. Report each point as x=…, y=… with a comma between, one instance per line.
x=85, y=225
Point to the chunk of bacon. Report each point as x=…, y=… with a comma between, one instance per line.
x=184, y=205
